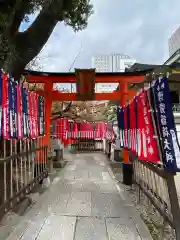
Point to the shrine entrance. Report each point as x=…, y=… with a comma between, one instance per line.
x=26, y=159
x=85, y=80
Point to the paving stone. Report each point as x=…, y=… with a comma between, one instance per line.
x=91, y=229
x=29, y=229
x=106, y=187
x=90, y=186
x=58, y=228
x=60, y=204
x=70, y=186
x=79, y=204
x=121, y=228
x=107, y=205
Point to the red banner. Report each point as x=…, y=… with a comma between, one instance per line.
x=89, y=130
x=30, y=115
x=83, y=130
x=36, y=115
x=5, y=107
x=147, y=143
x=98, y=131
x=75, y=130
x=61, y=128
x=125, y=128
x=133, y=127
x=103, y=130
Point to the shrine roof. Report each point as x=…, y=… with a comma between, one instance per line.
x=139, y=67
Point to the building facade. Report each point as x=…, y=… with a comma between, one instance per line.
x=174, y=42
x=111, y=63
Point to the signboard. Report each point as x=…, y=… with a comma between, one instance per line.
x=85, y=84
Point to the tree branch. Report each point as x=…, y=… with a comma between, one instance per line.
x=29, y=43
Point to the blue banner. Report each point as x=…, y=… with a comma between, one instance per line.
x=41, y=112
x=25, y=112
x=120, y=119
x=166, y=124
x=12, y=96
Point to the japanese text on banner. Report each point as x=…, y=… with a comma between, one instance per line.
x=169, y=141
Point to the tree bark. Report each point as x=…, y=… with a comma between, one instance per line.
x=29, y=43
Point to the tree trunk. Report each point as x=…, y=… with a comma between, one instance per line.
x=28, y=44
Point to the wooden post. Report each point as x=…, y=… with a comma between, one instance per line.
x=175, y=209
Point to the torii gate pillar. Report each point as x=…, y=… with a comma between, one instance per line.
x=127, y=164
x=48, y=87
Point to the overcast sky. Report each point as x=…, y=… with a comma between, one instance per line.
x=139, y=28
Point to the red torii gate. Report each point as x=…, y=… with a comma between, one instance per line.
x=85, y=79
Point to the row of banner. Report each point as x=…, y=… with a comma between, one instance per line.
x=22, y=112
x=65, y=129
x=147, y=126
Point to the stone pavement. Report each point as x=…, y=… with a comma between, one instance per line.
x=82, y=203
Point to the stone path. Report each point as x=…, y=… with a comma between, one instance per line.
x=82, y=203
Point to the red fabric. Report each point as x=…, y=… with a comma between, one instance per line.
x=110, y=132
x=66, y=129
x=103, y=130
x=147, y=144
x=83, y=130
x=75, y=130
x=141, y=127
x=86, y=130
x=98, y=131
x=34, y=97
x=133, y=127
x=61, y=129
x=125, y=128
x=36, y=115
x=5, y=107
x=65, y=142
x=90, y=132
x=31, y=114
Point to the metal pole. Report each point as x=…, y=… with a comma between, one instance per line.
x=76, y=57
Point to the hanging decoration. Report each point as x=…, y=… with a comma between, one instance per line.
x=12, y=107
x=147, y=126
x=166, y=124
x=41, y=122
x=19, y=110
x=1, y=101
x=5, y=104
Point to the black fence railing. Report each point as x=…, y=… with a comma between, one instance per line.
x=23, y=165
x=87, y=145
